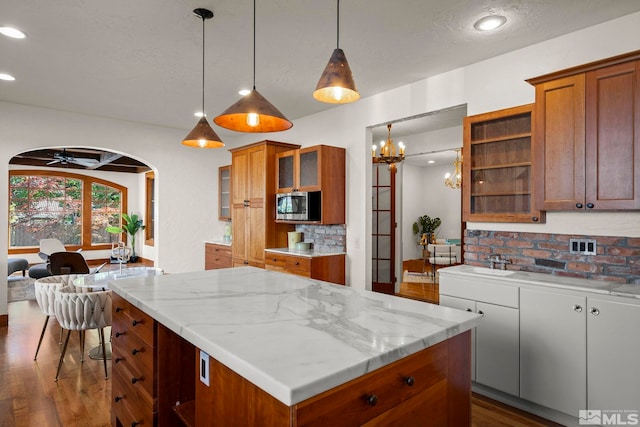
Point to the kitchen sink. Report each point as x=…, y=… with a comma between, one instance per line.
x=491, y=272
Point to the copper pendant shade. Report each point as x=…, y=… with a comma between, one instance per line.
x=336, y=85
x=252, y=112
x=203, y=135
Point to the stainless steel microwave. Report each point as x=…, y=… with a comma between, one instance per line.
x=299, y=206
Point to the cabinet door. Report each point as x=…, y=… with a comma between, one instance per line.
x=239, y=178
x=466, y=305
x=497, y=352
x=240, y=233
x=553, y=342
x=224, y=193
x=613, y=346
x=309, y=169
x=612, y=129
x=560, y=144
x=286, y=171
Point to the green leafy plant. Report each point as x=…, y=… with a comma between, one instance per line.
x=426, y=225
x=131, y=224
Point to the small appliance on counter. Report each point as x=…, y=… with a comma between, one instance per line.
x=303, y=246
x=294, y=237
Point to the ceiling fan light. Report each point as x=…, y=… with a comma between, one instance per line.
x=489, y=23
x=253, y=113
x=203, y=136
x=336, y=85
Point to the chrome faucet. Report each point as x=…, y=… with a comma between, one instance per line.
x=498, y=259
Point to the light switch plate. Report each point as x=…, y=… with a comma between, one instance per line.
x=582, y=246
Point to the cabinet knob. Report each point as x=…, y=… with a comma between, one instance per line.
x=135, y=380
x=117, y=399
x=410, y=381
x=371, y=399
x=579, y=205
x=118, y=360
x=245, y=262
x=480, y=312
x=135, y=351
x=297, y=263
x=535, y=219
x=134, y=423
x=594, y=311
x=577, y=308
x=469, y=310
x=118, y=309
x=590, y=205
x=119, y=334
x=135, y=322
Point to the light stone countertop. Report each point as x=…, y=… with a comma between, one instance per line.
x=311, y=253
x=218, y=242
x=291, y=336
x=600, y=287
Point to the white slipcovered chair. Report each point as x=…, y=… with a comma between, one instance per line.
x=442, y=254
x=45, y=296
x=82, y=311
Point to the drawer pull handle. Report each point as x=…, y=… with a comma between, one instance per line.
x=577, y=308
x=469, y=310
x=136, y=322
x=594, y=311
x=134, y=352
x=119, y=359
x=135, y=380
x=274, y=260
x=535, y=219
x=590, y=205
x=117, y=399
x=371, y=399
x=134, y=423
x=118, y=309
x=410, y=381
x=579, y=205
x=297, y=263
x=481, y=313
x=119, y=334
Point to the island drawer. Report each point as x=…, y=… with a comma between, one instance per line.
x=133, y=396
x=127, y=317
x=373, y=394
x=128, y=408
x=137, y=358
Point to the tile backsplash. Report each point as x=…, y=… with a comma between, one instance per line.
x=617, y=258
x=325, y=237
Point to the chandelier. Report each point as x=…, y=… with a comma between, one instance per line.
x=388, y=152
x=454, y=181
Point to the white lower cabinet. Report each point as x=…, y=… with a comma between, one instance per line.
x=553, y=344
x=613, y=354
x=495, y=342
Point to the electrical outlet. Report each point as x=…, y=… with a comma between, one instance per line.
x=582, y=246
x=204, y=368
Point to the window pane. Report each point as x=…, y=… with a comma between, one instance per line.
x=105, y=210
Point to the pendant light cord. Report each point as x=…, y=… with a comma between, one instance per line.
x=254, y=44
x=338, y=26
x=203, y=114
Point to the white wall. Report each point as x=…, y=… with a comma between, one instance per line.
x=187, y=178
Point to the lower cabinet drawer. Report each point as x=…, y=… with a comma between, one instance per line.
x=129, y=407
x=373, y=394
x=135, y=369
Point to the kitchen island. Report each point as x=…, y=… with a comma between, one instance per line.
x=246, y=346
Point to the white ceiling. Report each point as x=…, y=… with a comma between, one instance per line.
x=140, y=60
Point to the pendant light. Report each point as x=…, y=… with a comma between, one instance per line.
x=253, y=113
x=454, y=181
x=202, y=135
x=336, y=85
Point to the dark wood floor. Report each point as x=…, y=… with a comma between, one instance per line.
x=29, y=396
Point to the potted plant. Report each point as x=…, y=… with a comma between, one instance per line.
x=131, y=224
x=425, y=228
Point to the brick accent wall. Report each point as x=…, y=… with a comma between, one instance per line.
x=617, y=259
x=325, y=237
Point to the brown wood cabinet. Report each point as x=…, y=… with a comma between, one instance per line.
x=317, y=168
x=253, y=202
x=587, y=152
x=224, y=193
x=329, y=268
x=431, y=387
x=217, y=256
x=497, y=167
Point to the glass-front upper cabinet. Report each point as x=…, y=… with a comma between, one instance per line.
x=497, y=167
x=224, y=193
x=299, y=170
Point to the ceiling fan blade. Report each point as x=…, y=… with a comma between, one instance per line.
x=53, y=162
x=86, y=162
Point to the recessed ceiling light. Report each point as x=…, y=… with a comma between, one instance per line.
x=14, y=33
x=7, y=77
x=431, y=162
x=489, y=23
x=244, y=92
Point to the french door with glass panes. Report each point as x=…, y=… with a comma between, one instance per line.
x=383, y=228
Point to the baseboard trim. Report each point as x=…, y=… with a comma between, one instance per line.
x=525, y=405
x=4, y=320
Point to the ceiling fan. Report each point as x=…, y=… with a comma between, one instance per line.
x=65, y=158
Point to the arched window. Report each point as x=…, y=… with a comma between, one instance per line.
x=73, y=208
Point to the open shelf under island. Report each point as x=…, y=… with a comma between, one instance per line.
x=246, y=346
